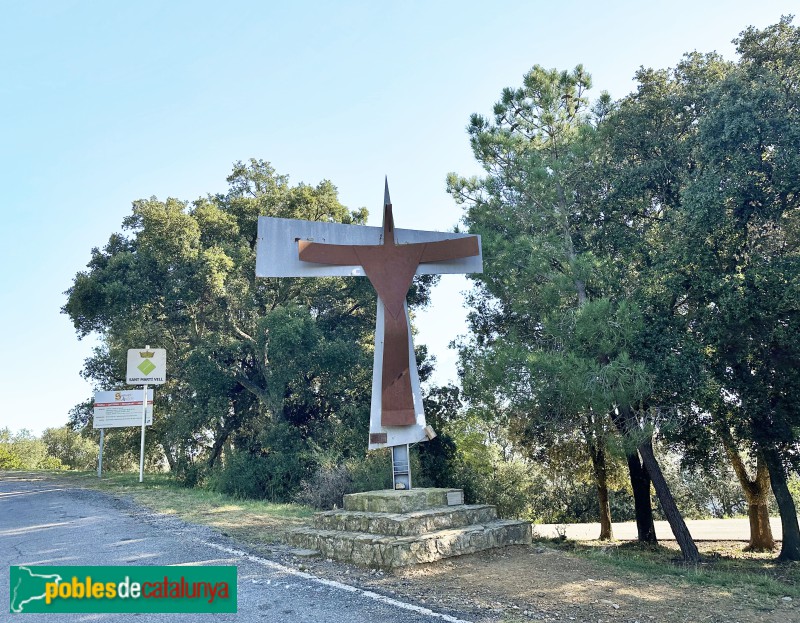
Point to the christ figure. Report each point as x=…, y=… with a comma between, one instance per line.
x=390, y=268
x=390, y=258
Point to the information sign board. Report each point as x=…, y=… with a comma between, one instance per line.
x=116, y=409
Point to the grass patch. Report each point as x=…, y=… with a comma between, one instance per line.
x=254, y=521
x=724, y=565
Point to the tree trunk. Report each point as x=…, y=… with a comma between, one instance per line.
x=756, y=492
x=790, y=547
x=170, y=456
x=679, y=529
x=227, y=451
x=601, y=481
x=220, y=438
x=761, y=539
x=640, y=483
x=569, y=247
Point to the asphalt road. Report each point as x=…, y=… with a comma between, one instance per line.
x=700, y=529
x=42, y=523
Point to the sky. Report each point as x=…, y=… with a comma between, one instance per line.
x=103, y=103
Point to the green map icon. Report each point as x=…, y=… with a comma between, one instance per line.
x=146, y=367
x=27, y=586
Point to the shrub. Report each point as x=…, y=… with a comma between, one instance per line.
x=73, y=450
x=272, y=468
x=8, y=458
x=23, y=450
x=326, y=487
x=273, y=476
x=373, y=472
x=51, y=462
x=330, y=482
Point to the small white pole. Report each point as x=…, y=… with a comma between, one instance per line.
x=100, y=459
x=144, y=417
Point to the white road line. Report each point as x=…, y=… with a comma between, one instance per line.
x=334, y=584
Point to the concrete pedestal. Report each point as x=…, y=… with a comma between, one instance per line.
x=397, y=528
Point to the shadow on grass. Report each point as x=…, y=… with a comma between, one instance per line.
x=723, y=564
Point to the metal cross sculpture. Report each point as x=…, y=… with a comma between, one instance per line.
x=390, y=258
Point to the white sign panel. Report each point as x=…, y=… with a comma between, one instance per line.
x=276, y=253
x=146, y=366
x=121, y=408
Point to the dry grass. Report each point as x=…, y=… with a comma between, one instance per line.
x=253, y=521
x=724, y=564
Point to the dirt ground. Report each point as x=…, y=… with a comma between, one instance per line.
x=548, y=582
x=544, y=583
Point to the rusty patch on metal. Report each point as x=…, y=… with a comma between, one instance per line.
x=390, y=269
x=377, y=438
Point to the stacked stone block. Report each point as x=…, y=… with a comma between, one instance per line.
x=398, y=528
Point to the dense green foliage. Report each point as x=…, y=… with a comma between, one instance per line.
x=261, y=371
x=642, y=277
x=72, y=449
x=22, y=450
x=642, y=263
x=724, y=140
x=556, y=340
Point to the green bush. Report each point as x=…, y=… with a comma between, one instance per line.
x=273, y=476
x=702, y=491
x=72, y=449
x=326, y=487
x=437, y=462
x=51, y=462
x=8, y=458
x=191, y=474
x=548, y=490
x=272, y=468
x=372, y=472
x=509, y=487
x=23, y=450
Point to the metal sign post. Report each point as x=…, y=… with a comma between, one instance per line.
x=100, y=458
x=146, y=367
x=144, y=417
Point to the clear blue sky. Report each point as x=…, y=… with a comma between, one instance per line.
x=102, y=103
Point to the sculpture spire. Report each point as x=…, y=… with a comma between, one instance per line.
x=388, y=220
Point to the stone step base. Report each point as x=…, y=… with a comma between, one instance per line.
x=402, y=501
x=406, y=524
x=397, y=551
